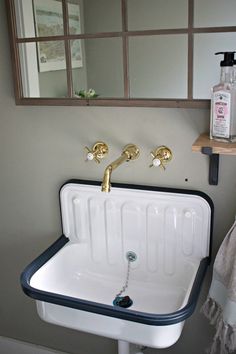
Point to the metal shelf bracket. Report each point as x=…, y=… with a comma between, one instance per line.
x=214, y=160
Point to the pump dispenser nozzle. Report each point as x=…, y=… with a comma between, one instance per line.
x=228, y=58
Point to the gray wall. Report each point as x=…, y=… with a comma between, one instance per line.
x=41, y=147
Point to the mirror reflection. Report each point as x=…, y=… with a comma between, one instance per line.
x=214, y=13
x=206, y=68
x=96, y=63
x=102, y=68
x=41, y=75
x=157, y=14
x=37, y=18
x=48, y=17
x=158, y=66
x=137, y=52
x=101, y=15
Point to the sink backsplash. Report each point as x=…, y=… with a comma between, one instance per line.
x=162, y=228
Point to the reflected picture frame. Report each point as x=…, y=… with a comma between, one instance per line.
x=48, y=19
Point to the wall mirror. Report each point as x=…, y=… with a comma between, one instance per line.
x=156, y=53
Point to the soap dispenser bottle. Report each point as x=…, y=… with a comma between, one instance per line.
x=223, y=102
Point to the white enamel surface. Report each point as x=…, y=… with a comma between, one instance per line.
x=71, y=273
x=160, y=227
x=137, y=333
x=168, y=232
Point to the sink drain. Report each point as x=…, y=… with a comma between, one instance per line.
x=125, y=301
x=131, y=256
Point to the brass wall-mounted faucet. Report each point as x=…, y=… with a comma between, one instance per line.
x=130, y=152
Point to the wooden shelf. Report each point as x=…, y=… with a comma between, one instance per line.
x=217, y=147
x=213, y=149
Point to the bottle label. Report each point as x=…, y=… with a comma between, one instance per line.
x=221, y=114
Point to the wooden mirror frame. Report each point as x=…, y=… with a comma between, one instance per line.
x=189, y=102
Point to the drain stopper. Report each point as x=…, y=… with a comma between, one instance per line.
x=123, y=301
x=131, y=256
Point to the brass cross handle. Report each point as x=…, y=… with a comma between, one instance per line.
x=161, y=156
x=98, y=152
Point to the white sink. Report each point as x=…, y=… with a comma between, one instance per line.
x=76, y=280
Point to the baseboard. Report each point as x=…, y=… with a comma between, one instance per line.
x=13, y=346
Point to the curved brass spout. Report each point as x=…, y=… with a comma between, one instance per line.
x=130, y=152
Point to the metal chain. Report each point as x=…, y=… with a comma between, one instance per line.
x=125, y=286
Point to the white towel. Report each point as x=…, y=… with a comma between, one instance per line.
x=220, y=306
